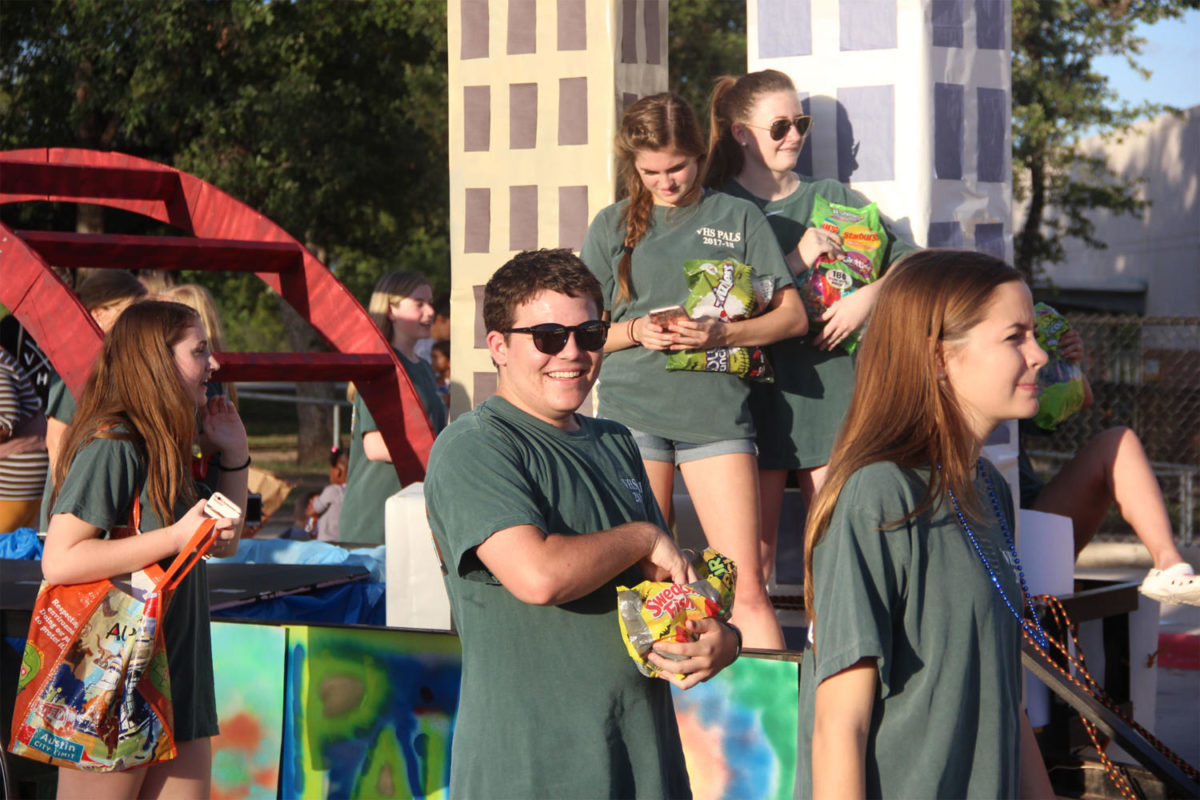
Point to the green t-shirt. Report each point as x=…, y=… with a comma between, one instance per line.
x=798, y=416
x=370, y=483
x=99, y=489
x=916, y=597
x=635, y=387
x=60, y=405
x=551, y=704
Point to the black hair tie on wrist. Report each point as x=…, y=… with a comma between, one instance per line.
x=238, y=468
x=736, y=632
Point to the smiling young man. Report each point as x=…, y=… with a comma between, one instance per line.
x=539, y=513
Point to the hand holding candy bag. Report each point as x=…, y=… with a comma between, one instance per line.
x=658, y=612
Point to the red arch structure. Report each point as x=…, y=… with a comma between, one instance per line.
x=218, y=233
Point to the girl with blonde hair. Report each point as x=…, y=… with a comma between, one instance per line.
x=199, y=299
x=699, y=421
x=917, y=601
x=131, y=442
x=402, y=306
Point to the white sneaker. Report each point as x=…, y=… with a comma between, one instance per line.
x=1177, y=584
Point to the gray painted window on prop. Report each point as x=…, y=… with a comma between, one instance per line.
x=947, y=21
x=572, y=111
x=477, y=118
x=866, y=133
x=993, y=135
x=867, y=24
x=989, y=238
x=522, y=116
x=522, y=27
x=572, y=216
x=474, y=29
x=945, y=234
x=477, y=219
x=572, y=24
x=784, y=28
x=948, y=131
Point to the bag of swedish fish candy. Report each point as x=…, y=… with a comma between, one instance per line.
x=657, y=611
x=1060, y=382
x=864, y=242
x=729, y=291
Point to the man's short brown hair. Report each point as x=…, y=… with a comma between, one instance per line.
x=530, y=273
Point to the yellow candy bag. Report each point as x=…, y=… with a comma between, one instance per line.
x=656, y=611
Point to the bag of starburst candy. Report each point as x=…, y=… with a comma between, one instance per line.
x=657, y=611
x=864, y=243
x=1060, y=382
x=729, y=291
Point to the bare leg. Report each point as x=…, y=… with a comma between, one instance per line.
x=771, y=483
x=74, y=784
x=811, y=480
x=724, y=491
x=188, y=776
x=662, y=483
x=1112, y=467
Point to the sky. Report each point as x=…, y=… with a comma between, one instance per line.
x=1172, y=54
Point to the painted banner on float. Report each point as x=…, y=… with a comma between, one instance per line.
x=249, y=677
x=341, y=712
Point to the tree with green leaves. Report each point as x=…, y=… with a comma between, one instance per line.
x=706, y=39
x=330, y=119
x=1059, y=98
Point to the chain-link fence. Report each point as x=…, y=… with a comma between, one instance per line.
x=1145, y=374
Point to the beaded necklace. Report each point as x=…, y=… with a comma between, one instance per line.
x=1035, y=629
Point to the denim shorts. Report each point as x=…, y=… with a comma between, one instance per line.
x=656, y=448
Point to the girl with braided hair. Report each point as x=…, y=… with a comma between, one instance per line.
x=698, y=420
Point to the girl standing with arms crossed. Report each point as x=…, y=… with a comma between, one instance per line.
x=912, y=686
x=757, y=130
x=131, y=440
x=698, y=420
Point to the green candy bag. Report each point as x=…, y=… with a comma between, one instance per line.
x=1060, y=382
x=864, y=242
x=729, y=291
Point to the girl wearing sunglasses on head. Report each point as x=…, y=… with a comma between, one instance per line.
x=757, y=130
x=402, y=306
x=699, y=420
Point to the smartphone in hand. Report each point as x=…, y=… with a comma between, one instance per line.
x=663, y=317
x=219, y=506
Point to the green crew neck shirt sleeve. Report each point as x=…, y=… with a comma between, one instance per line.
x=635, y=387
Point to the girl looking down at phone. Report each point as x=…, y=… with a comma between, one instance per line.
x=699, y=421
x=131, y=440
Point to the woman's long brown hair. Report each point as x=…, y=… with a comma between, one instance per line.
x=135, y=385
x=733, y=100
x=901, y=412
x=655, y=122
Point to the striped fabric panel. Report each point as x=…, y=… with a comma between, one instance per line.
x=22, y=476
